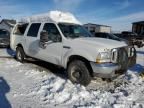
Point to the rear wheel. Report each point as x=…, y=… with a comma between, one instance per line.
x=20, y=55
x=79, y=73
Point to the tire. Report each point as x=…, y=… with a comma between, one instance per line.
x=79, y=73
x=20, y=55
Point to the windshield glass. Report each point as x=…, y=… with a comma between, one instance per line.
x=4, y=34
x=74, y=30
x=111, y=36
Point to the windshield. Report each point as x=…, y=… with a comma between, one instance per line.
x=73, y=30
x=4, y=34
x=111, y=36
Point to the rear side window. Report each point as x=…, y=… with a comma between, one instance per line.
x=33, y=30
x=20, y=29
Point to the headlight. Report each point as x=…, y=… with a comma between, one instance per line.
x=103, y=57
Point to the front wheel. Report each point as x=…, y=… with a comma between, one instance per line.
x=79, y=73
x=20, y=55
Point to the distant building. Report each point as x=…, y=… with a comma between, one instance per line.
x=7, y=24
x=138, y=27
x=97, y=28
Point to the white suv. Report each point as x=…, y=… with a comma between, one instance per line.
x=67, y=44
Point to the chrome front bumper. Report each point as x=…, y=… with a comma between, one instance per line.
x=105, y=70
x=122, y=58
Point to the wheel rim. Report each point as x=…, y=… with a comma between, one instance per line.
x=76, y=74
x=19, y=56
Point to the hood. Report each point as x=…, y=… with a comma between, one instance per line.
x=100, y=43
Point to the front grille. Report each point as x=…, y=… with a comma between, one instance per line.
x=119, y=55
x=114, y=55
x=122, y=55
x=131, y=51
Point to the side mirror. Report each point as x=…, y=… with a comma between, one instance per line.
x=44, y=36
x=43, y=39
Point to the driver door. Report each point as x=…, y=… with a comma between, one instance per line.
x=53, y=51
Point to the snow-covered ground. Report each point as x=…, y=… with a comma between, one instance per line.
x=41, y=85
x=6, y=53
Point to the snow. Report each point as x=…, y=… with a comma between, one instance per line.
x=36, y=86
x=52, y=16
x=6, y=53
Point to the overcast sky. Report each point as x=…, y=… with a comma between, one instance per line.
x=116, y=13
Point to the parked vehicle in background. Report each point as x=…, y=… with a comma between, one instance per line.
x=141, y=38
x=4, y=38
x=109, y=36
x=59, y=38
x=133, y=38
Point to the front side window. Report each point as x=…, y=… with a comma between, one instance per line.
x=34, y=29
x=53, y=33
x=73, y=30
x=113, y=37
x=20, y=29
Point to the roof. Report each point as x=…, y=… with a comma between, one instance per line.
x=9, y=22
x=52, y=16
x=139, y=22
x=96, y=24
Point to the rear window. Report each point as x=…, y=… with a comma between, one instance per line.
x=33, y=30
x=20, y=29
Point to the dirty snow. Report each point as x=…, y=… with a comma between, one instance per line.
x=40, y=85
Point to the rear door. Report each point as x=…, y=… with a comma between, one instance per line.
x=17, y=35
x=32, y=41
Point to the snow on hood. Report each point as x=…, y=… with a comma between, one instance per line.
x=101, y=42
x=52, y=16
